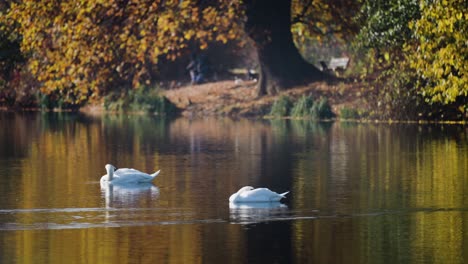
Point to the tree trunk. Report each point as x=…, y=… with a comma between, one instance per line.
x=281, y=65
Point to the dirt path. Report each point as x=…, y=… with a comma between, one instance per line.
x=227, y=98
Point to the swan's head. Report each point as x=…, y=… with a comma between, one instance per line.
x=110, y=168
x=110, y=171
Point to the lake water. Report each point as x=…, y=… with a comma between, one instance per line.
x=359, y=193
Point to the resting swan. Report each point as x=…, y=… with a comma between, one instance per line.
x=126, y=176
x=248, y=194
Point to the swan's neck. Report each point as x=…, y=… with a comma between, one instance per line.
x=110, y=174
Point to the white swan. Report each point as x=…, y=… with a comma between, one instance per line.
x=248, y=194
x=126, y=176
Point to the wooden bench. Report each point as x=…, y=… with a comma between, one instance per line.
x=335, y=64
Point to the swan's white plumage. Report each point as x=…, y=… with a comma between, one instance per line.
x=126, y=176
x=249, y=194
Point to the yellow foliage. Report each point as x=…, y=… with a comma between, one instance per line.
x=80, y=48
x=312, y=19
x=441, y=51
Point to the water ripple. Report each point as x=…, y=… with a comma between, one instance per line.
x=82, y=218
x=55, y=226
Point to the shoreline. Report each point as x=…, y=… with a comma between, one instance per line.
x=238, y=100
x=97, y=112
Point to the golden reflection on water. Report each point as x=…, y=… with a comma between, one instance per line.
x=415, y=187
x=377, y=192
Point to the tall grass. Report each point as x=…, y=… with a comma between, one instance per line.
x=321, y=109
x=304, y=107
x=143, y=99
x=281, y=107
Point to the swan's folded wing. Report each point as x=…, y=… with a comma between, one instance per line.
x=263, y=195
x=127, y=171
x=256, y=195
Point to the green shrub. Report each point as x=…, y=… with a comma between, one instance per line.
x=321, y=109
x=281, y=107
x=48, y=102
x=142, y=99
x=349, y=113
x=305, y=107
x=302, y=108
x=43, y=101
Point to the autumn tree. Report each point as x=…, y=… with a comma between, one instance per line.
x=10, y=61
x=324, y=28
x=384, y=23
x=79, y=50
x=440, y=51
